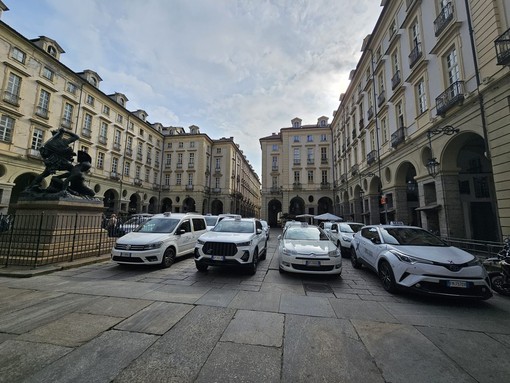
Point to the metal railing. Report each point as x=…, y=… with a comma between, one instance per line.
x=482, y=249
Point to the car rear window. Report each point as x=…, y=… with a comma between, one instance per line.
x=231, y=226
x=410, y=236
x=158, y=225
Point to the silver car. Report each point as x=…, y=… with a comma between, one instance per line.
x=413, y=258
x=308, y=249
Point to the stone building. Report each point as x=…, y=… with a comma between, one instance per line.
x=138, y=166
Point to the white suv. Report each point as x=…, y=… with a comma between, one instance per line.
x=232, y=242
x=341, y=234
x=160, y=239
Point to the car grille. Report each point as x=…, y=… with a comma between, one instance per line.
x=312, y=268
x=120, y=246
x=127, y=259
x=220, y=248
x=441, y=288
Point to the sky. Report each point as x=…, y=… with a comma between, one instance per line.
x=234, y=68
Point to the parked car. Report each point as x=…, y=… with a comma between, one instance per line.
x=413, y=258
x=308, y=249
x=232, y=242
x=132, y=223
x=266, y=228
x=160, y=239
x=212, y=220
x=341, y=233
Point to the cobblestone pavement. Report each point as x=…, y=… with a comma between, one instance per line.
x=108, y=323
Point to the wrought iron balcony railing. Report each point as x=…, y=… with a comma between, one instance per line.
x=415, y=55
x=502, y=44
x=381, y=98
x=452, y=96
x=398, y=137
x=395, y=80
x=441, y=21
x=354, y=169
x=371, y=157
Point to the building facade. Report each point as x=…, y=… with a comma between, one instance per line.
x=297, y=171
x=421, y=133
x=137, y=166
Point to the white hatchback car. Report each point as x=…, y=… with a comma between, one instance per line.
x=308, y=249
x=232, y=242
x=160, y=239
x=411, y=257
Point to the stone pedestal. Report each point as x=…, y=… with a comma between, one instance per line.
x=45, y=232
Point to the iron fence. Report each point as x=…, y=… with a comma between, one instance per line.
x=482, y=249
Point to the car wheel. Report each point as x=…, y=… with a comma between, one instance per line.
x=264, y=254
x=252, y=267
x=201, y=267
x=387, y=277
x=354, y=259
x=168, y=258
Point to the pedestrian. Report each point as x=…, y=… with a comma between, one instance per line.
x=112, y=225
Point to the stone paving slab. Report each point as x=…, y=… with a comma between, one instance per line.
x=71, y=330
x=359, y=309
x=403, y=354
x=256, y=301
x=99, y=360
x=179, y=355
x=325, y=350
x=234, y=363
x=39, y=314
x=19, y=359
x=157, y=318
x=303, y=305
x=295, y=288
x=176, y=294
x=217, y=297
x=491, y=361
x=255, y=327
x=25, y=298
x=115, y=307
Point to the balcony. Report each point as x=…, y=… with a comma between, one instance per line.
x=216, y=190
x=297, y=186
x=297, y=162
x=502, y=44
x=189, y=187
x=34, y=153
x=370, y=112
x=179, y=165
x=217, y=170
x=275, y=190
x=415, y=55
x=324, y=161
x=42, y=112
x=129, y=152
x=11, y=98
x=395, y=80
x=191, y=165
x=274, y=168
x=165, y=187
x=381, y=98
x=114, y=176
x=102, y=140
x=398, y=137
x=361, y=125
x=139, y=156
x=66, y=123
x=343, y=178
x=116, y=146
x=155, y=187
x=148, y=161
x=310, y=161
x=325, y=186
x=354, y=169
x=354, y=134
x=86, y=132
x=156, y=164
x=371, y=157
x=207, y=189
x=444, y=18
x=137, y=182
x=452, y=96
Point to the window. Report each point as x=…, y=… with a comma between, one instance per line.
x=87, y=125
x=43, y=104
x=324, y=138
x=48, y=73
x=179, y=159
x=18, y=55
x=169, y=145
x=192, y=144
x=67, y=118
x=393, y=28
x=103, y=131
x=296, y=138
x=90, y=100
x=324, y=177
x=167, y=179
x=115, y=165
x=415, y=34
x=274, y=182
x=12, y=91
x=178, y=179
x=100, y=160
x=297, y=156
x=218, y=163
x=127, y=168
x=138, y=172
x=37, y=138
x=452, y=66
x=309, y=138
x=190, y=179
x=372, y=139
x=141, y=132
x=399, y=111
x=147, y=174
x=191, y=159
x=324, y=154
x=120, y=118
x=297, y=176
x=217, y=183
x=275, y=147
x=117, y=137
x=384, y=129
x=6, y=128
x=218, y=150
x=309, y=156
x=181, y=145
x=71, y=87
x=310, y=176
x=275, y=163
x=395, y=62
x=421, y=97
x=129, y=143
x=168, y=159
x=106, y=110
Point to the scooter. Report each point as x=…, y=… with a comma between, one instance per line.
x=500, y=280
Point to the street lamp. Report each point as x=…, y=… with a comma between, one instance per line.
x=432, y=164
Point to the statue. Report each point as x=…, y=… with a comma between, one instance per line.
x=58, y=156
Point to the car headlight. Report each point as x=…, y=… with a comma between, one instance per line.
x=288, y=251
x=200, y=241
x=243, y=244
x=474, y=262
x=409, y=258
x=152, y=246
x=347, y=239
x=335, y=253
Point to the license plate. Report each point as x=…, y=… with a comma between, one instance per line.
x=217, y=257
x=461, y=284
x=313, y=263
x=125, y=255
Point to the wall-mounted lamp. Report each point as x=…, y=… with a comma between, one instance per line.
x=432, y=164
x=411, y=186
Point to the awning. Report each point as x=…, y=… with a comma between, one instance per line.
x=429, y=207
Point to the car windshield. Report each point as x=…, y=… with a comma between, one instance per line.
x=410, y=236
x=211, y=221
x=158, y=225
x=137, y=220
x=231, y=226
x=298, y=233
x=350, y=227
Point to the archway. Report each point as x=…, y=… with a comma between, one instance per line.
x=406, y=199
x=188, y=205
x=153, y=205
x=273, y=208
x=296, y=206
x=324, y=205
x=134, y=204
x=110, y=196
x=205, y=207
x=216, y=207
x=20, y=183
x=166, y=205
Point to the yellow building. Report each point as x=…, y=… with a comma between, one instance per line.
x=421, y=133
x=137, y=166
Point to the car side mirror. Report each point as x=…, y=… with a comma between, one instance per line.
x=180, y=231
x=279, y=237
x=375, y=240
